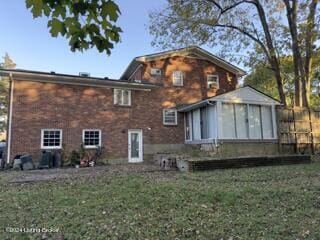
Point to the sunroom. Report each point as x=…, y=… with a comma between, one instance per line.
x=244, y=114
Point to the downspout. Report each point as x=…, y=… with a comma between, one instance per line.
x=9, y=119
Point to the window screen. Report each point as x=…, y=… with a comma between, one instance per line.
x=204, y=123
x=188, y=125
x=177, y=78
x=254, y=122
x=228, y=121
x=267, y=125
x=241, y=121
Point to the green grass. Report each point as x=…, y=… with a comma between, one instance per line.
x=280, y=202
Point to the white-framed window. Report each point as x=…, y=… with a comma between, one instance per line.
x=212, y=81
x=170, y=117
x=122, y=97
x=177, y=78
x=51, y=138
x=91, y=138
x=156, y=72
x=247, y=121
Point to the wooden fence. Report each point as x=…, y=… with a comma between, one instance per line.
x=299, y=130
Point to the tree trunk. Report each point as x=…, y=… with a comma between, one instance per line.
x=274, y=61
x=310, y=38
x=299, y=71
x=278, y=76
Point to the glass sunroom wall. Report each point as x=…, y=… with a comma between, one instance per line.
x=246, y=121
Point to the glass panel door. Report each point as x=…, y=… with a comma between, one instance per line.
x=241, y=121
x=135, y=146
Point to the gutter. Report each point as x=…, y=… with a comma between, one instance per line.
x=74, y=80
x=193, y=106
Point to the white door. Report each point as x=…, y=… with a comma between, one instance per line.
x=135, y=146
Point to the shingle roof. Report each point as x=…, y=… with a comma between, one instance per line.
x=38, y=76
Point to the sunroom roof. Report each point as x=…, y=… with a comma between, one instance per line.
x=246, y=94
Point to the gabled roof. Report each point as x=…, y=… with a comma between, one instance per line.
x=193, y=51
x=246, y=94
x=52, y=77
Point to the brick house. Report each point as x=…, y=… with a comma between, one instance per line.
x=147, y=110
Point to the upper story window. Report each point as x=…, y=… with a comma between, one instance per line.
x=177, y=78
x=51, y=138
x=170, y=117
x=91, y=138
x=212, y=81
x=122, y=97
x=156, y=72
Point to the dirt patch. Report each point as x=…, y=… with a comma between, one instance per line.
x=67, y=173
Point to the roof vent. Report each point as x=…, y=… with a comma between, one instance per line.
x=106, y=78
x=84, y=74
x=52, y=72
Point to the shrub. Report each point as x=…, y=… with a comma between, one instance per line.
x=74, y=158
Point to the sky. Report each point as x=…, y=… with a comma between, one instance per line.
x=31, y=46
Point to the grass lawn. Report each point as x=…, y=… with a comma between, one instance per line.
x=279, y=202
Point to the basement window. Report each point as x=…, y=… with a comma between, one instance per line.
x=91, y=138
x=170, y=117
x=122, y=97
x=51, y=138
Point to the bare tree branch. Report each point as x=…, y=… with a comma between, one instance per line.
x=225, y=9
x=241, y=30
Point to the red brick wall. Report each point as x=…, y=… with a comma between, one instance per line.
x=195, y=77
x=38, y=106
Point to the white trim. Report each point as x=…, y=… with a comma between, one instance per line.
x=237, y=101
x=186, y=117
x=140, y=159
x=217, y=82
x=10, y=120
x=91, y=146
x=163, y=117
x=230, y=100
x=122, y=97
x=219, y=120
x=231, y=140
x=272, y=101
x=274, y=122
x=135, y=71
x=51, y=147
